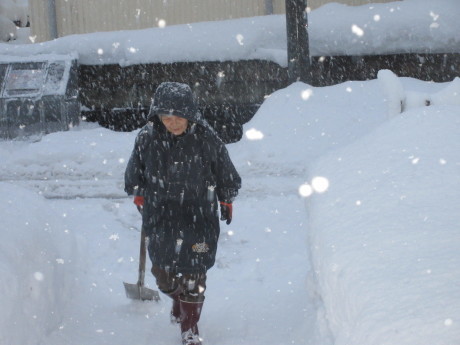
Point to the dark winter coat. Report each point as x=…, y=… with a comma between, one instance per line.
x=181, y=179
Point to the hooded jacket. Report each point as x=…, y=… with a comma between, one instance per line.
x=181, y=179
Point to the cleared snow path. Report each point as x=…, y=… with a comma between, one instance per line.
x=252, y=290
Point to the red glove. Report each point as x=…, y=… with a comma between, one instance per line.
x=226, y=210
x=139, y=201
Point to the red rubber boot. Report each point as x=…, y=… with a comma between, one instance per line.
x=190, y=315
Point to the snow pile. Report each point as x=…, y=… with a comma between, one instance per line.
x=407, y=26
x=11, y=12
x=399, y=100
x=7, y=29
x=14, y=10
x=248, y=38
x=89, y=166
x=383, y=224
x=415, y=26
x=36, y=266
x=385, y=236
x=394, y=92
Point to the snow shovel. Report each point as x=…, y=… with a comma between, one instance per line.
x=139, y=291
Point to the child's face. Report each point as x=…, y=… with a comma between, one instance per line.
x=174, y=124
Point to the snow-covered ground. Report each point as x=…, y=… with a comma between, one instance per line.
x=409, y=26
x=345, y=232
x=370, y=257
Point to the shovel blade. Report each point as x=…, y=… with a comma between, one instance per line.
x=136, y=291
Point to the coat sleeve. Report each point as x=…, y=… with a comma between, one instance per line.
x=228, y=179
x=134, y=173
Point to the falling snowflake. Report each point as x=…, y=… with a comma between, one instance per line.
x=254, y=134
x=114, y=237
x=357, y=30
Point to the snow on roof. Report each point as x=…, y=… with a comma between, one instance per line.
x=38, y=58
x=409, y=26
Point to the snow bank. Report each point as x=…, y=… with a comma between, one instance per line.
x=385, y=235
x=14, y=11
x=37, y=256
x=90, y=164
x=399, y=100
x=239, y=39
x=297, y=124
x=42, y=258
x=10, y=13
x=421, y=26
x=415, y=26
x=8, y=30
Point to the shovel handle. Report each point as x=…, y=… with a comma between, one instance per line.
x=142, y=254
x=142, y=259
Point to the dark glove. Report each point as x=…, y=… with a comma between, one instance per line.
x=226, y=211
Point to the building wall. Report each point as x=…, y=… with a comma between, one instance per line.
x=86, y=16
x=39, y=31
